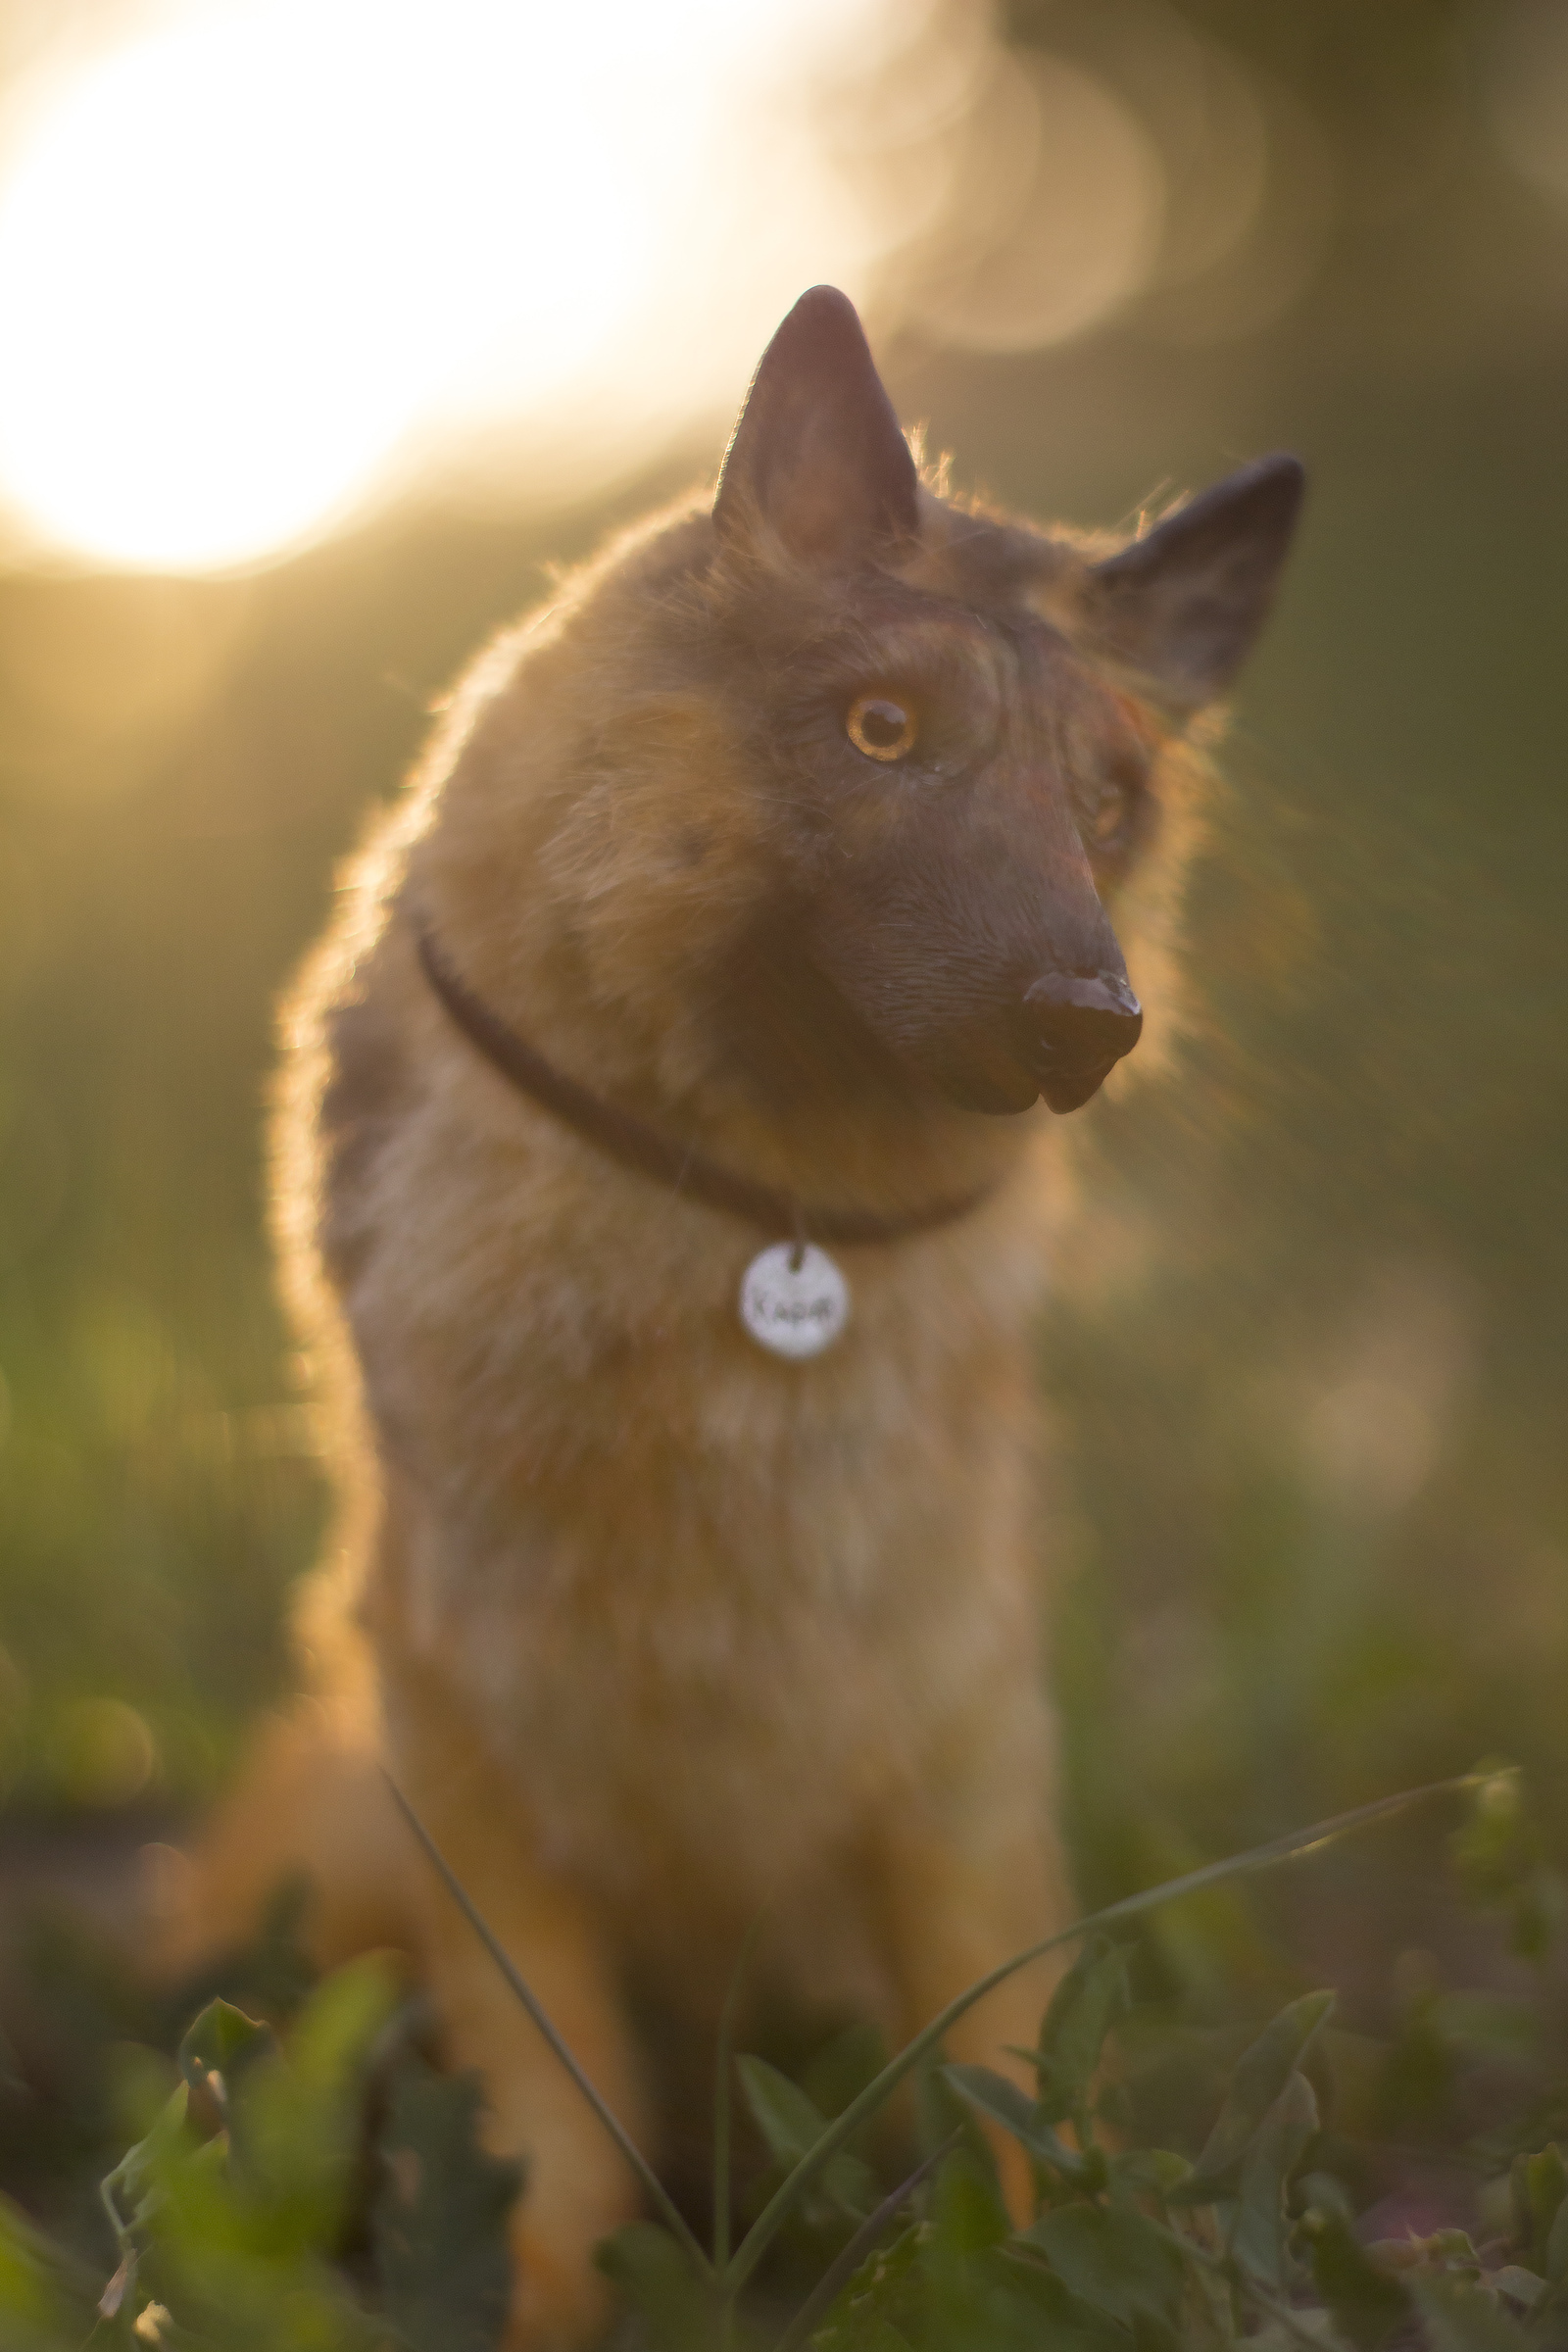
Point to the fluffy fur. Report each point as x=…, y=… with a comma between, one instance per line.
x=657, y=1631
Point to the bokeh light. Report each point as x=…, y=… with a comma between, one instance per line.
x=248, y=254
x=264, y=262
x=1048, y=143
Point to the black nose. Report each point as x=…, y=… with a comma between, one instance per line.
x=1081, y=1023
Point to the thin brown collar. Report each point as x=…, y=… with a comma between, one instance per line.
x=647, y=1153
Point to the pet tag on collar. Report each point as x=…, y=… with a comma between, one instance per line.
x=794, y=1300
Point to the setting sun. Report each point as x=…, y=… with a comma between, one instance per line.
x=249, y=257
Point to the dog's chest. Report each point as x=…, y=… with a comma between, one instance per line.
x=702, y=1602
x=725, y=1631
x=727, y=1659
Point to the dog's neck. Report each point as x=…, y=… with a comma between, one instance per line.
x=760, y=1071
x=647, y=1152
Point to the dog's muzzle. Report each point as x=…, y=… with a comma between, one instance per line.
x=1078, y=1026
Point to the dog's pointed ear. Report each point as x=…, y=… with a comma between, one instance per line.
x=818, y=454
x=1183, y=607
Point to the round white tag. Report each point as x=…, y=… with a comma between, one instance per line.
x=794, y=1300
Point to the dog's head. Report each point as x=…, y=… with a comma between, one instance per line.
x=958, y=719
x=829, y=799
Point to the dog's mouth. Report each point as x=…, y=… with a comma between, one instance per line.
x=1004, y=1071
x=1068, y=1086
x=991, y=1079
x=1000, y=1091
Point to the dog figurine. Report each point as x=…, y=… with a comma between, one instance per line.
x=667, y=1149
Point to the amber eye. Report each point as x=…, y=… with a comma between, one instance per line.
x=1106, y=818
x=881, y=729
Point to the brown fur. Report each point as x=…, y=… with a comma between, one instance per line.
x=656, y=1631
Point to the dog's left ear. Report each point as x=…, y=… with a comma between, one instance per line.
x=817, y=453
x=1183, y=607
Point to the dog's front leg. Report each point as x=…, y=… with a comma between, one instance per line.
x=576, y=2186
x=964, y=1889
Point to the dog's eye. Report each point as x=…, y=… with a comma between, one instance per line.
x=1110, y=809
x=880, y=728
x=1105, y=811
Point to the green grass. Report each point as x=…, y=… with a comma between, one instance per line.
x=310, y=2184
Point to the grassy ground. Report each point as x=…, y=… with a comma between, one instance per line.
x=290, y=2172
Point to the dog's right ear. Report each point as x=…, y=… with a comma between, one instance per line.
x=1182, y=606
x=818, y=454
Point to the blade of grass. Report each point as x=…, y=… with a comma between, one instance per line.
x=723, y=2093
x=842, y=2269
x=668, y=2211
x=744, y=2261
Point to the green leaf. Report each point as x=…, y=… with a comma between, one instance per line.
x=32, y=2316
x=1462, y=2318
x=871, y=2335
x=1084, y=2007
x=1499, y=1854
x=1366, y=2304
x=1148, y=2173
x=1006, y=2104
x=883, y=2300
x=789, y=2121
x=1150, y=2334
x=1112, y=2259
x=1260, y=2231
x=440, y=2219
x=296, y=2114
x=1067, y=2322
x=998, y=2097
x=330, y=2039
x=221, y=2041
x=1540, y=2187
x=1539, y=1909
x=650, y=2270
x=790, y=2124
x=1327, y=2192
x=786, y=2197
x=1260, y=2076
x=1555, y=2263
x=215, y=2052
x=132, y=2191
x=966, y=2212
x=1495, y=1841
x=242, y=2253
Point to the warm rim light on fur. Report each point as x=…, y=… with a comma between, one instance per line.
x=655, y=1631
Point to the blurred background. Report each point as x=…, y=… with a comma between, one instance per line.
x=328, y=328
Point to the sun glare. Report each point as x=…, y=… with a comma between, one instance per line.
x=265, y=260
x=246, y=257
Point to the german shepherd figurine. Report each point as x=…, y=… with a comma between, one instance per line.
x=662, y=1190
